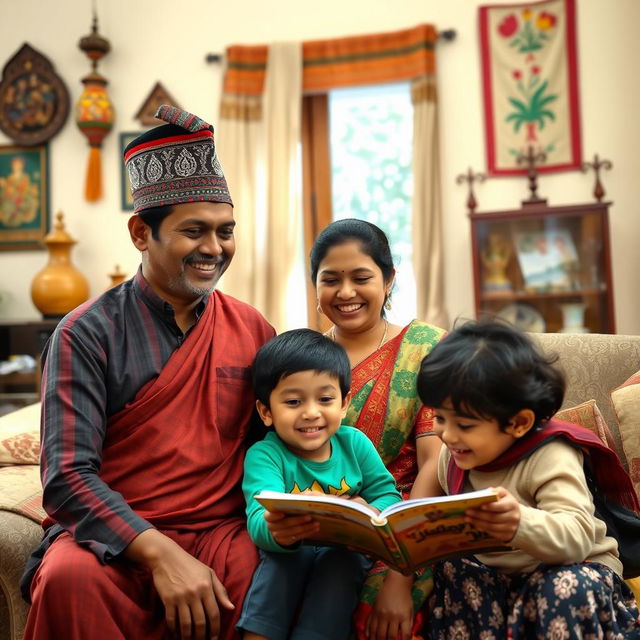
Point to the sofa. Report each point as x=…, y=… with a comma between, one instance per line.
x=595, y=365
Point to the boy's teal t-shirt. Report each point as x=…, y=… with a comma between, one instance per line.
x=354, y=468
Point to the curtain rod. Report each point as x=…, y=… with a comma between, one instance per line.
x=447, y=35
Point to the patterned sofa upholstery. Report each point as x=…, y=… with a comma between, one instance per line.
x=594, y=364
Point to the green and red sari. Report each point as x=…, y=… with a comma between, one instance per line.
x=385, y=406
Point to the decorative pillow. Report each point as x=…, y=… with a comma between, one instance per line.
x=21, y=491
x=20, y=436
x=634, y=583
x=626, y=403
x=588, y=415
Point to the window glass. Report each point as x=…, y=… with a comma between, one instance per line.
x=371, y=133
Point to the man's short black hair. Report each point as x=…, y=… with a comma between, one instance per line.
x=295, y=351
x=153, y=218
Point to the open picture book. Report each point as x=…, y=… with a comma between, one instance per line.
x=406, y=536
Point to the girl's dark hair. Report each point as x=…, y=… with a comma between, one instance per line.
x=373, y=242
x=153, y=218
x=491, y=370
x=295, y=351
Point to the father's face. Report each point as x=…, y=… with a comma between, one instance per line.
x=194, y=248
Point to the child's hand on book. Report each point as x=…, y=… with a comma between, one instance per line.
x=344, y=496
x=499, y=519
x=289, y=530
x=361, y=501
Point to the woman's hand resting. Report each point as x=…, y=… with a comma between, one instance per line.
x=392, y=613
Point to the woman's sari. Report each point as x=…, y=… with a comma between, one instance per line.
x=385, y=406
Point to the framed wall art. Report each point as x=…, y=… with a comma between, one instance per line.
x=24, y=197
x=158, y=96
x=34, y=101
x=530, y=85
x=125, y=184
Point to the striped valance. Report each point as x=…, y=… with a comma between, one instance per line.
x=341, y=62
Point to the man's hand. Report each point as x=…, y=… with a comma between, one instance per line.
x=392, y=613
x=499, y=519
x=190, y=591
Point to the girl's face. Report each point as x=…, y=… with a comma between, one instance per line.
x=351, y=289
x=472, y=441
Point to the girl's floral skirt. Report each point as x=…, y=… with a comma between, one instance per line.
x=473, y=601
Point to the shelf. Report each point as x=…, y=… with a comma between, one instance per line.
x=547, y=295
x=543, y=257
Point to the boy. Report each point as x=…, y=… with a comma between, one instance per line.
x=301, y=381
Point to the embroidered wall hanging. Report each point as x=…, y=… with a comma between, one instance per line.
x=530, y=85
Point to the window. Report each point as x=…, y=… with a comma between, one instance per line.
x=357, y=149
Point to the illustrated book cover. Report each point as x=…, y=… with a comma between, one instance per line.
x=406, y=536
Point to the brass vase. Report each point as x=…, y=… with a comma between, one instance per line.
x=59, y=287
x=117, y=277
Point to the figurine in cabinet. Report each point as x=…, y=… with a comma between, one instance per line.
x=495, y=258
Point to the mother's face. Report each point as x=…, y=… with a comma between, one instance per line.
x=351, y=288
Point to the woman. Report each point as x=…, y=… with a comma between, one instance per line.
x=353, y=272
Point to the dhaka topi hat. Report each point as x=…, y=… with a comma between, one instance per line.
x=175, y=163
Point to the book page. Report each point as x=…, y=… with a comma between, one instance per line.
x=342, y=522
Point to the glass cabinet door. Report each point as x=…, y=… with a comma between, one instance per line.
x=545, y=268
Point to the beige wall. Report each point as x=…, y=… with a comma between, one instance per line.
x=156, y=41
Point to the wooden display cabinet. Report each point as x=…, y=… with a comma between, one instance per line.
x=545, y=268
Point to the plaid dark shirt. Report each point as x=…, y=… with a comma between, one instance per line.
x=97, y=360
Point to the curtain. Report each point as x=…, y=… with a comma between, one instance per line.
x=428, y=259
x=258, y=146
x=407, y=55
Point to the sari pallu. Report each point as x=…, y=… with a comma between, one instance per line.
x=385, y=406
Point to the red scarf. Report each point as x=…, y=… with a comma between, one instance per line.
x=176, y=452
x=610, y=475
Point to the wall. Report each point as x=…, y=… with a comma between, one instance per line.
x=156, y=41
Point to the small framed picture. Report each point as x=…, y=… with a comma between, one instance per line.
x=125, y=184
x=548, y=260
x=24, y=197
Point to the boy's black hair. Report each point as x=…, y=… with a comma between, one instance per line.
x=294, y=351
x=491, y=369
x=153, y=218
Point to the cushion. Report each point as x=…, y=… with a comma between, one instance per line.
x=626, y=403
x=21, y=491
x=588, y=415
x=20, y=436
x=634, y=583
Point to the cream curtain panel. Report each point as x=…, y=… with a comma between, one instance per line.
x=428, y=258
x=260, y=125
x=258, y=146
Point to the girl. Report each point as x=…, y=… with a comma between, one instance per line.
x=494, y=395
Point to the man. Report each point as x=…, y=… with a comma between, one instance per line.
x=146, y=413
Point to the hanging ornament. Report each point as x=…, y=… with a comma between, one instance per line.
x=94, y=111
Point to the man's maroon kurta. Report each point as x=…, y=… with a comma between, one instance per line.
x=175, y=455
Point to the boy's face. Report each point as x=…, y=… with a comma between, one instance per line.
x=306, y=409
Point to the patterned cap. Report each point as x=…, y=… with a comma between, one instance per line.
x=175, y=163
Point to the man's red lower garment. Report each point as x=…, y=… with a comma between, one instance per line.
x=75, y=597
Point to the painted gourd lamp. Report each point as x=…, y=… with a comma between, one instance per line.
x=94, y=110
